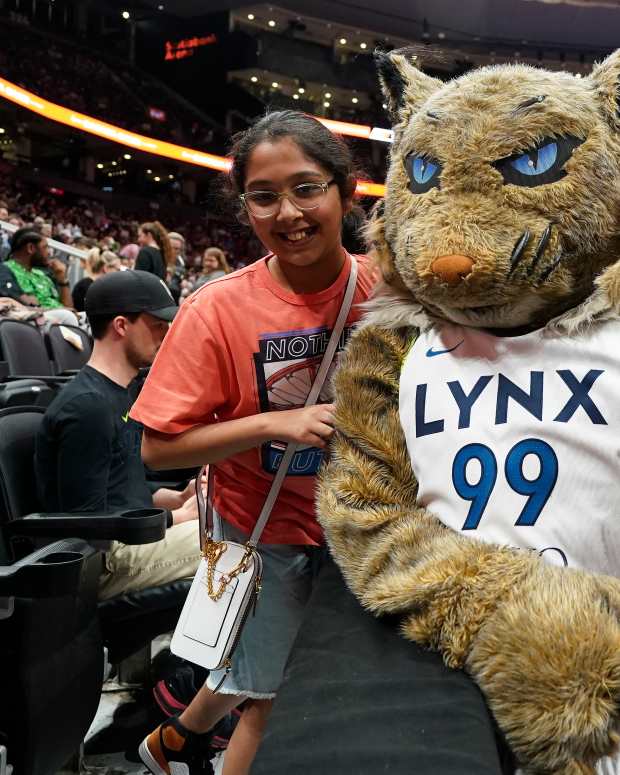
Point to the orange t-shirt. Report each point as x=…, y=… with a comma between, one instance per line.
x=240, y=345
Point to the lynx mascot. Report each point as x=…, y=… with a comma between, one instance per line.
x=478, y=408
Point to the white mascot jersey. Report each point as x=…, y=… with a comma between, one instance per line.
x=516, y=440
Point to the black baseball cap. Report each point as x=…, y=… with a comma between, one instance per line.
x=120, y=293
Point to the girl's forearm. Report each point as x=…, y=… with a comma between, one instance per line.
x=205, y=443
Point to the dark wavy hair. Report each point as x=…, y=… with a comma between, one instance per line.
x=315, y=140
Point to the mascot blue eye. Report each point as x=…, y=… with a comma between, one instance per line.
x=538, y=161
x=544, y=163
x=423, y=172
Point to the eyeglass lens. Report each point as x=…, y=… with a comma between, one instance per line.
x=306, y=196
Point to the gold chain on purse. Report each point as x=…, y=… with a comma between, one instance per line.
x=212, y=552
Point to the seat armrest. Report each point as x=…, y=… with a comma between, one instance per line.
x=47, y=572
x=134, y=526
x=51, y=380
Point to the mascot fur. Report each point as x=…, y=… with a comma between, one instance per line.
x=499, y=242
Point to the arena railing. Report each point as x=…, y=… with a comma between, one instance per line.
x=59, y=247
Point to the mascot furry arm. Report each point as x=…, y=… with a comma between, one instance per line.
x=463, y=240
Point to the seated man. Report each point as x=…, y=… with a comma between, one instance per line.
x=88, y=448
x=23, y=279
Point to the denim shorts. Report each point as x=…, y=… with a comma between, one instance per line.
x=258, y=662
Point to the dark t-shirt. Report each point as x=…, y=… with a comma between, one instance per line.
x=88, y=449
x=150, y=260
x=79, y=292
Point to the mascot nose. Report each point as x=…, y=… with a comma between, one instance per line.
x=452, y=269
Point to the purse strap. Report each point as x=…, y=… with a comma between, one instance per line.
x=205, y=509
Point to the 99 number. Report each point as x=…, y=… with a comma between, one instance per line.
x=538, y=490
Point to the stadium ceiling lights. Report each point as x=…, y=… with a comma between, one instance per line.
x=315, y=92
x=94, y=126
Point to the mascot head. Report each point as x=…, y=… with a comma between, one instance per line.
x=503, y=192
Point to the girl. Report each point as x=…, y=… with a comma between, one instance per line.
x=156, y=252
x=214, y=265
x=231, y=378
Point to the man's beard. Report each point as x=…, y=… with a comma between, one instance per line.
x=136, y=359
x=38, y=260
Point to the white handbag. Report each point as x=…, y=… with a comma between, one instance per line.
x=227, y=583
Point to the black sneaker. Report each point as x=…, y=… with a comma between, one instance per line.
x=176, y=682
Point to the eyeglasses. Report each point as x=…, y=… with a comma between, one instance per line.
x=305, y=196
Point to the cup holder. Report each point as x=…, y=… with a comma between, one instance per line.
x=56, y=558
x=141, y=513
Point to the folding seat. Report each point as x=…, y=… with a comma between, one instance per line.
x=129, y=622
x=26, y=392
x=24, y=353
x=51, y=655
x=69, y=348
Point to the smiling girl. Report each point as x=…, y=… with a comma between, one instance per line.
x=228, y=387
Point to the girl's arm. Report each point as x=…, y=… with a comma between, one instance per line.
x=204, y=444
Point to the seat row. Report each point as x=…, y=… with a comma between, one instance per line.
x=53, y=628
x=33, y=366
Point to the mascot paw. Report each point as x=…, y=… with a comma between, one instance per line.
x=548, y=661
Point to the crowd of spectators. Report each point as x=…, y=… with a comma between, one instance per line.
x=81, y=79
x=86, y=223
x=197, y=252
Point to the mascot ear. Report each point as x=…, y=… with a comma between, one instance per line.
x=606, y=81
x=404, y=86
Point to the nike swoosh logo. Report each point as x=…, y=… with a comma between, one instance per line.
x=125, y=417
x=430, y=353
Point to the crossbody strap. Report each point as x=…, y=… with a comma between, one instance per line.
x=205, y=510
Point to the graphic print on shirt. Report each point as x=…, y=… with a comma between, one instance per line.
x=286, y=365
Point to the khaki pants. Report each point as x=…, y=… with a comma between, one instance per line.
x=133, y=568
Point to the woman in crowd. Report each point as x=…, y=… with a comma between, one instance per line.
x=214, y=265
x=98, y=263
x=156, y=252
x=129, y=254
x=221, y=391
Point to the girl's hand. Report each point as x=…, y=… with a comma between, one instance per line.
x=313, y=425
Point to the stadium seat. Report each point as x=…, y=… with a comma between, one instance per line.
x=24, y=353
x=64, y=354
x=26, y=392
x=129, y=622
x=51, y=655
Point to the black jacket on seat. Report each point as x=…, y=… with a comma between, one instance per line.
x=358, y=699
